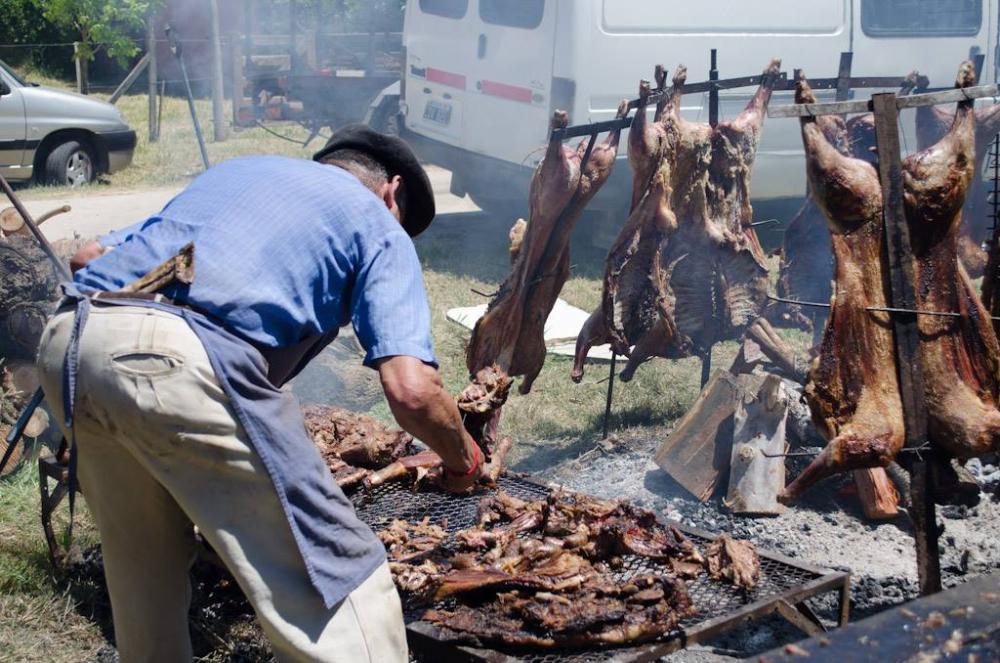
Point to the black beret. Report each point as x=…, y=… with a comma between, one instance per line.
x=398, y=158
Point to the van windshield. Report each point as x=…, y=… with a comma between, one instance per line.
x=921, y=18
x=446, y=8
x=512, y=13
x=10, y=72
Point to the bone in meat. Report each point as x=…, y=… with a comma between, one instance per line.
x=353, y=444
x=686, y=269
x=960, y=356
x=511, y=333
x=408, y=542
x=856, y=408
x=853, y=391
x=645, y=609
x=734, y=560
x=806, y=268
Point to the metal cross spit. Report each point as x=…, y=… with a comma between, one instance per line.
x=885, y=107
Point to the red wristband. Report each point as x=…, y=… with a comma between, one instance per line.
x=470, y=471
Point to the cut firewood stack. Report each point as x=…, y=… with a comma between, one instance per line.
x=27, y=295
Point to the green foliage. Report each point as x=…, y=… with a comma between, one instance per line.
x=21, y=22
x=109, y=24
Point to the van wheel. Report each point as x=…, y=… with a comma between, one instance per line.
x=71, y=163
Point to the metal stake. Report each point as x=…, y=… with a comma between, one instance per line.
x=713, y=92
x=611, y=392
x=706, y=365
x=175, y=47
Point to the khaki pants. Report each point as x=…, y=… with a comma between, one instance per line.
x=160, y=450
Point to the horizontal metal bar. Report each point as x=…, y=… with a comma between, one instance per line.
x=863, y=82
x=880, y=309
x=864, y=106
x=591, y=129
x=654, y=97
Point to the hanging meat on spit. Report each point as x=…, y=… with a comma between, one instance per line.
x=548, y=572
x=353, y=445
x=687, y=269
x=509, y=340
x=853, y=390
x=932, y=123
x=806, y=269
x=510, y=335
x=359, y=450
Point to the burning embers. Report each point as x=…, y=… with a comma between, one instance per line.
x=687, y=269
x=546, y=573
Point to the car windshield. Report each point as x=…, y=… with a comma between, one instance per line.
x=10, y=72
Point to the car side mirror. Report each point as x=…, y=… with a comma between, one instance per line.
x=4, y=88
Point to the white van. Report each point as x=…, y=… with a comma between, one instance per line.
x=481, y=77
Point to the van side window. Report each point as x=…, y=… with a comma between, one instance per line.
x=921, y=18
x=512, y=13
x=446, y=8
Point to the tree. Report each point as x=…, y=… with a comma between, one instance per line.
x=108, y=24
x=22, y=22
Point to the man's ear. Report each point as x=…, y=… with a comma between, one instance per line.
x=389, y=190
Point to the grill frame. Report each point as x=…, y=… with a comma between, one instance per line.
x=785, y=583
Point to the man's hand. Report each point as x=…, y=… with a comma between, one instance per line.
x=424, y=409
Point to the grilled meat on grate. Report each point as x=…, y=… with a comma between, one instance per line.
x=548, y=572
x=642, y=609
x=353, y=444
x=733, y=560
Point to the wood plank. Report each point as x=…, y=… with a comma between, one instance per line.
x=758, y=429
x=864, y=106
x=697, y=452
x=877, y=493
x=906, y=335
x=139, y=67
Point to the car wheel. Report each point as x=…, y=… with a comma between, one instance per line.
x=71, y=163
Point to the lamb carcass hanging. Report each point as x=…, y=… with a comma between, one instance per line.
x=511, y=333
x=687, y=268
x=806, y=268
x=853, y=390
x=932, y=123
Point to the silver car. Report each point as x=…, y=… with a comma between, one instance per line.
x=58, y=137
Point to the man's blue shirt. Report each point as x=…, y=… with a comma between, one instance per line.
x=285, y=250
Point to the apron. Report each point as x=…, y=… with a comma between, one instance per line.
x=339, y=551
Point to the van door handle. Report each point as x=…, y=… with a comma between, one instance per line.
x=482, y=46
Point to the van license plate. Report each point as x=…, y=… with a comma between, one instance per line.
x=438, y=112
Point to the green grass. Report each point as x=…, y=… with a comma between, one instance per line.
x=175, y=158
x=42, y=617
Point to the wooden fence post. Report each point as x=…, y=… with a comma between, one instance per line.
x=82, y=86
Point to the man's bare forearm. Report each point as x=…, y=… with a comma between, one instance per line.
x=424, y=409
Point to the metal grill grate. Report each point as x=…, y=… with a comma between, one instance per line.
x=713, y=599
